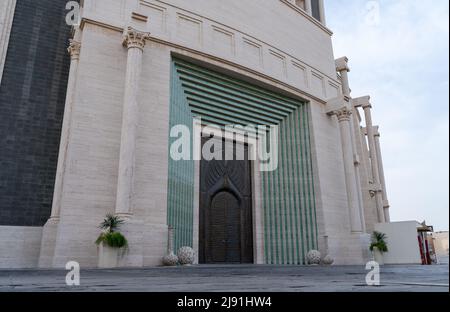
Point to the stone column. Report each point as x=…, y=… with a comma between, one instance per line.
x=364, y=102
x=134, y=41
x=343, y=113
x=74, y=51
x=386, y=205
x=308, y=7
x=343, y=69
x=7, y=9
x=322, y=12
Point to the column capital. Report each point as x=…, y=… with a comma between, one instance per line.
x=337, y=102
x=343, y=114
x=363, y=102
x=74, y=49
x=133, y=38
x=339, y=106
x=342, y=64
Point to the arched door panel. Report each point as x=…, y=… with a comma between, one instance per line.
x=226, y=228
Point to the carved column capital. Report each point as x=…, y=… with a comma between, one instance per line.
x=343, y=114
x=133, y=38
x=74, y=49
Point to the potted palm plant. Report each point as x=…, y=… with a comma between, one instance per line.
x=378, y=246
x=110, y=242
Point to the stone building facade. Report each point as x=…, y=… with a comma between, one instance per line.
x=140, y=67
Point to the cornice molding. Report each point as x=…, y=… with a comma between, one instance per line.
x=193, y=53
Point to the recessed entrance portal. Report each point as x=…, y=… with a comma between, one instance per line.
x=226, y=230
x=284, y=221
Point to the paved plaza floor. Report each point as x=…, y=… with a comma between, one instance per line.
x=241, y=278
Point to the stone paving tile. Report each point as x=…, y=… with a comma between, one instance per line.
x=242, y=278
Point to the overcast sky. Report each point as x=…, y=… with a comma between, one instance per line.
x=398, y=51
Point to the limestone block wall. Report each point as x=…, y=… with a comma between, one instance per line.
x=295, y=49
x=90, y=176
x=19, y=246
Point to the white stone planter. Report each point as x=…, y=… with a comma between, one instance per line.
x=378, y=256
x=186, y=255
x=108, y=257
x=313, y=257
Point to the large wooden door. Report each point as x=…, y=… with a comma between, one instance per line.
x=226, y=230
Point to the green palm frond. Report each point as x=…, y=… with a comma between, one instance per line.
x=379, y=241
x=110, y=235
x=111, y=223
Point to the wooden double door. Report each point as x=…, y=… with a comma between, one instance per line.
x=226, y=228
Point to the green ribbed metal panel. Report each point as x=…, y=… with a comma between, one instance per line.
x=180, y=198
x=290, y=225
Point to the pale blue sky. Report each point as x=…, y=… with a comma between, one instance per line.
x=400, y=58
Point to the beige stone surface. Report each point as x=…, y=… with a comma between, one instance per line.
x=19, y=246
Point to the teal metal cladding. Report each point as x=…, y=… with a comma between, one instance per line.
x=287, y=194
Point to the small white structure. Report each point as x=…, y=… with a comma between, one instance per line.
x=403, y=242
